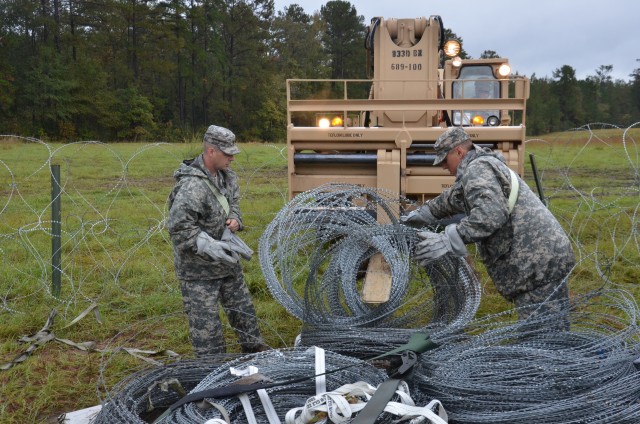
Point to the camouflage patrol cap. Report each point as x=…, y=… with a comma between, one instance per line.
x=222, y=138
x=449, y=139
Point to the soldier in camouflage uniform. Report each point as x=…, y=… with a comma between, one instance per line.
x=205, y=202
x=525, y=250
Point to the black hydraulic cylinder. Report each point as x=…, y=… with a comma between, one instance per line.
x=358, y=158
x=338, y=158
x=413, y=158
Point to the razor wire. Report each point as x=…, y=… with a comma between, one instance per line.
x=504, y=372
x=282, y=365
x=102, y=233
x=495, y=371
x=316, y=256
x=598, y=208
x=99, y=241
x=147, y=392
x=296, y=366
x=601, y=199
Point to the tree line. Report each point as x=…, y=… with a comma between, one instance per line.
x=147, y=70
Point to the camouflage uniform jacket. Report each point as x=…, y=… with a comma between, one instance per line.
x=193, y=207
x=522, y=250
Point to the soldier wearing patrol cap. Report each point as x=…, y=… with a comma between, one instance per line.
x=453, y=137
x=523, y=247
x=203, y=221
x=222, y=138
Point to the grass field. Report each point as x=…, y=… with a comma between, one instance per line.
x=117, y=260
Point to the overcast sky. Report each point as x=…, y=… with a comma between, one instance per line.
x=537, y=36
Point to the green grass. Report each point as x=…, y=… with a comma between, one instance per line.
x=591, y=181
x=117, y=254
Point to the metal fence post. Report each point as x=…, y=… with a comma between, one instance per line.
x=56, y=229
x=534, y=169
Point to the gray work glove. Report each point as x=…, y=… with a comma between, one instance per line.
x=236, y=244
x=435, y=245
x=419, y=217
x=216, y=249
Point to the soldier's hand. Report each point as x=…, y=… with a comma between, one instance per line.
x=236, y=244
x=216, y=249
x=435, y=245
x=233, y=224
x=419, y=217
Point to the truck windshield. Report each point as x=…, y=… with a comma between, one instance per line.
x=476, y=82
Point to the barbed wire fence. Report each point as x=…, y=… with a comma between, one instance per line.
x=101, y=235
x=109, y=217
x=593, y=187
x=595, y=197
x=115, y=249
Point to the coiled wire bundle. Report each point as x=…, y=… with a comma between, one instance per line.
x=146, y=393
x=314, y=257
x=287, y=365
x=528, y=372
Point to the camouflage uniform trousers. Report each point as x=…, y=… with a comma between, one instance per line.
x=201, y=299
x=551, y=298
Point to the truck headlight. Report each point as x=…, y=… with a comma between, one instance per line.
x=493, y=121
x=504, y=70
x=452, y=48
x=324, y=123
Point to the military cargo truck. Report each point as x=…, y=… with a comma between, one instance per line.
x=380, y=132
